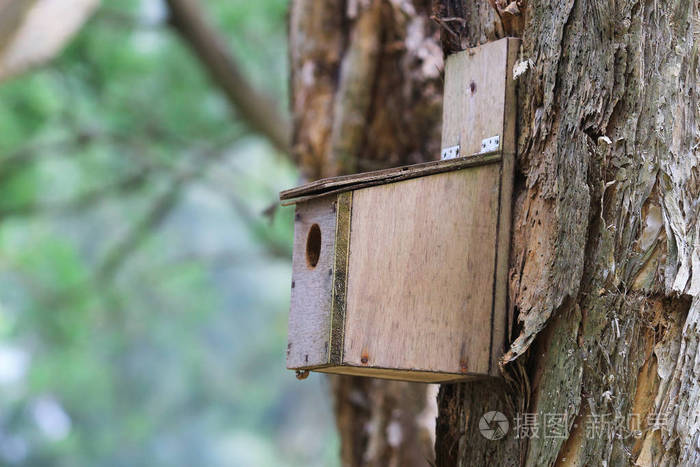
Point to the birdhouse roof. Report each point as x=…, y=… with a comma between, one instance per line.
x=333, y=185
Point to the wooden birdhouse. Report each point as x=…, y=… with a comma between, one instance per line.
x=402, y=273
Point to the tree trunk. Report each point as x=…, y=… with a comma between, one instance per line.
x=605, y=243
x=605, y=254
x=366, y=93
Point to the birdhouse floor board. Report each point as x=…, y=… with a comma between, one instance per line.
x=345, y=183
x=401, y=375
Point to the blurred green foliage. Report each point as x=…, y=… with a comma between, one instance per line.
x=143, y=294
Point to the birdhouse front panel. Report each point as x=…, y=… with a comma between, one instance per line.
x=313, y=265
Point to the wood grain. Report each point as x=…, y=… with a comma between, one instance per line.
x=421, y=273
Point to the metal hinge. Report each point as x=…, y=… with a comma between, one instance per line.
x=449, y=153
x=490, y=144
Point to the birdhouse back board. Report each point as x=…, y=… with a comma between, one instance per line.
x=479, y=99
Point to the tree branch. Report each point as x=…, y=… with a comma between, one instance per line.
x=258, y=110
x=257, y=225
x=155, y=215
x=159, y=210
x=82, y=201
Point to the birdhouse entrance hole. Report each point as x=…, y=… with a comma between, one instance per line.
x=313, y=246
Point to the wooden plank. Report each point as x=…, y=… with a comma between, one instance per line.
x=340, y=275
x=350, y=182
x=421, y=273
x=502, y=319
x=474, y=93
x=510, y=109
x=312, y=286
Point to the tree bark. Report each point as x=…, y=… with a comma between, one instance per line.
x=605, y=253
x=605, y=243
x=366, y=88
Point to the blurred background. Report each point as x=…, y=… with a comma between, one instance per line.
x=144, y=268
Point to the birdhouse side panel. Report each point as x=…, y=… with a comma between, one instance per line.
x=421, y=273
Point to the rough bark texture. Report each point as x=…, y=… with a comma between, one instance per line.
x=605, y=258
x=366, y=93
x=605, y=240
